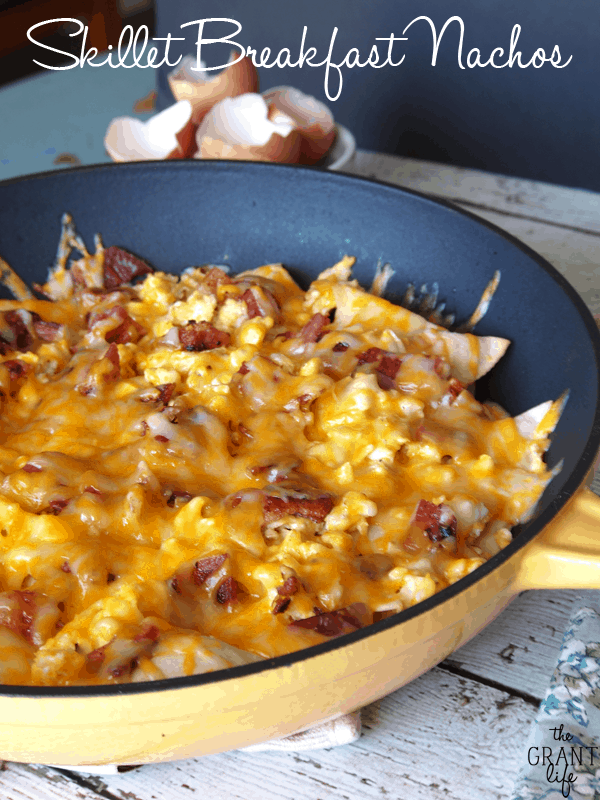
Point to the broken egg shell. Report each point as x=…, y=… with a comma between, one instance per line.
x=313, y=119
x=204, y=91
x=129, y=139
x=246, y=128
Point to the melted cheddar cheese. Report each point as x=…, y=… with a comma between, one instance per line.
x=200, y=471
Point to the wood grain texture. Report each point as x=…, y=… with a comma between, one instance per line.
x=517, y=197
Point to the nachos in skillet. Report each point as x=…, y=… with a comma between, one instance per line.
x=205, y=470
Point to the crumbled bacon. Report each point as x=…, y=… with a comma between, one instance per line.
x=370, y=355
x=313, y=508
x=32, y=468
x=455, y=387
x=92, y=490
x=244, y=369
x=281, y=604
x=151, y=634
x=112, y=355
x=17, y=612
x=178, y=494
x=200, y=336
x=46, y=331
x=125, y=328
x=227, y=591
x=206, y=567
x=22, y=338
x=438, y=522
x=340, y=347
x=165, y=392
x=65, y=567
x=16, y=368
x=290, y=586
x=387, y=367
x=56, y=506
x=251, y=304
x=95, y=658
x=329, y=623
x=161, y=438
x=313, y=330
x=4, y=346
x=121, y=267
x=214, y=278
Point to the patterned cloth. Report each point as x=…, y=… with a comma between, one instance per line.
x=563, y=751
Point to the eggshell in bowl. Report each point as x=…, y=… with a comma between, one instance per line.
x=312, y=118
x=129, y=139
x=247, y=128
x=204, y=90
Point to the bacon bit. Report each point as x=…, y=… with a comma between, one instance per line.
x=32, y=468
x=329, y=623
x=151, y=634
x=111, y=577
x=227, y=591
x=46, y=331
x=165, y=392
x=178, y=494
x=281, y=604
x=304, y=401
x=204, y=568
x=19, y=614
x=340, y=347
x=455, y=387
x=438, y=522
x=92, y=490
x=244, y=369
x=251, y=304
x=370, y=355
x=122, y=669
x=65, y=567
x=216, y=277
x=121, y=267
x=161, y=438
x=16, y=368
x=290, y=586
x=313, y=330
x=128, y=331
x=95, y=659
x=389, y=366
x=175, y=586
x=313, y=508
x=112, y=354
x=56, y=506
x=200, y=336
x=22, y=338
x=235, y=501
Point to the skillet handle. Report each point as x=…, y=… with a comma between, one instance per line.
x=566, y=555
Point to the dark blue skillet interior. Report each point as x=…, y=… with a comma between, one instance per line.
x=177, y=214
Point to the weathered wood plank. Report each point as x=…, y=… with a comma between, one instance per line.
x=519, y=649
x=444, y=736
x=514, y=196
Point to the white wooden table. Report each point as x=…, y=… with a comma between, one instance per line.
x=458, y=732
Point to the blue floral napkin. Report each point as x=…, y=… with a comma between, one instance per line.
x=563, y=751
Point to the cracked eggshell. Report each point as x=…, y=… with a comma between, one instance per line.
x=245, y=127
x=312, y=118
x=204, y=89
x=129, y=139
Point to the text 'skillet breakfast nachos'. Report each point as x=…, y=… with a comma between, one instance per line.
x=206, y=470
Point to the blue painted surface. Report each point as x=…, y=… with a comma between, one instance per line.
x=65, y=112
x=542, y=123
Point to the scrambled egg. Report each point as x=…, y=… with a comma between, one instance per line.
x=205, y=470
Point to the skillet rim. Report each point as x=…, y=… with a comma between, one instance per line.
x=575, y=479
